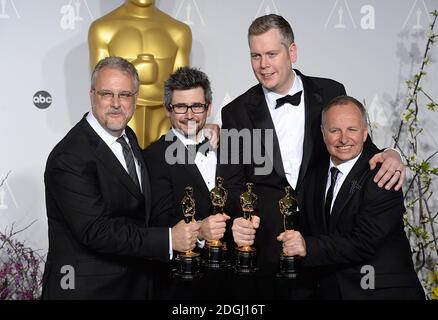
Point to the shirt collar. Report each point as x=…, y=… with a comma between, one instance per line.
x=102, y=133
x=271, y=96
x=187, y=141
x=345, y=167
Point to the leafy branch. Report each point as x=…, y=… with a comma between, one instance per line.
x=420, y=219
x=20, y=268
x=4, y=179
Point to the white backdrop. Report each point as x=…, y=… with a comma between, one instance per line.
x=371, y=46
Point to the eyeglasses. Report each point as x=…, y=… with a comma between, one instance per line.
x=181, y=108
x=109, y=95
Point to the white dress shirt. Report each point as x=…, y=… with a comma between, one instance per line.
x=289, y=126
x=112, y=143
x=344, y=169
x=206, y=164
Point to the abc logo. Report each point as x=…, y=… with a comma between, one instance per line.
x=42, y=99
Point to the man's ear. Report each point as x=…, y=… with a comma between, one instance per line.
x=365, y=134
x=293, y=52
x=322, y=131
x=168, y=112
x=210, y=105
x=93, y=98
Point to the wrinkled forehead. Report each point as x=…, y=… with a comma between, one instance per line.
x=109, y=75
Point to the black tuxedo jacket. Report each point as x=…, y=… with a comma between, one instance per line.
x=365, y=229
x=250, y=111
x=98, y=222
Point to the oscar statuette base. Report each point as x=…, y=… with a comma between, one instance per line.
x=212, y=257
x=246, y=260
x=215, y=255
x=288, y=267
x=188, y=266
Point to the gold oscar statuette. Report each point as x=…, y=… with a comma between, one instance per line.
x=156, y=44
x=246, y=255
x=188, y=262
x=215, y=250
x=289, y=209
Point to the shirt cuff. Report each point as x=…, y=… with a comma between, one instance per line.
x=399, y=153
x=170, y=244
x=200, y=243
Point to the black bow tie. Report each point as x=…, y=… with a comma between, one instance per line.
x=202, y=147
x=293, y=100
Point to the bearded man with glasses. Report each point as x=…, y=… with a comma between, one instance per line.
x=98, y=199
x=188, y=102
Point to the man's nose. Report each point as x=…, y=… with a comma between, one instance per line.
x=116, y=101
x=189, y=113
x=343, y=138
x=264, y=63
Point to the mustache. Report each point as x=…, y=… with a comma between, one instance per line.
x=192, y=126
x=114, y=112
x=190, y=123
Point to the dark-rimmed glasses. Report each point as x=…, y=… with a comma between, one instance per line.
x=109, y=95
x=181, y=108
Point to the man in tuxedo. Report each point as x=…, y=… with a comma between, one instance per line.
x=183, y=157
x=286, y=105
x=98, y=200
x=353, y=230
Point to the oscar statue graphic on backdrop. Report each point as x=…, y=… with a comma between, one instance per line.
x=188, y=262
x=215, y=251
x=289, y=209
x=3, y=14
x=340, y=24
x=246, y=255
x=156, y=44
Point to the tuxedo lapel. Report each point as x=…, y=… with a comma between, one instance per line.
x=319, y=196
x=193, y=172
x=352, y=184
x=114, y=167
x=137, y=153
x=145, y=181
x=261, y=118
x=313, y=104
x=110, y=162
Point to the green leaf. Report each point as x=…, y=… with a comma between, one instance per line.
x=432, y=106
